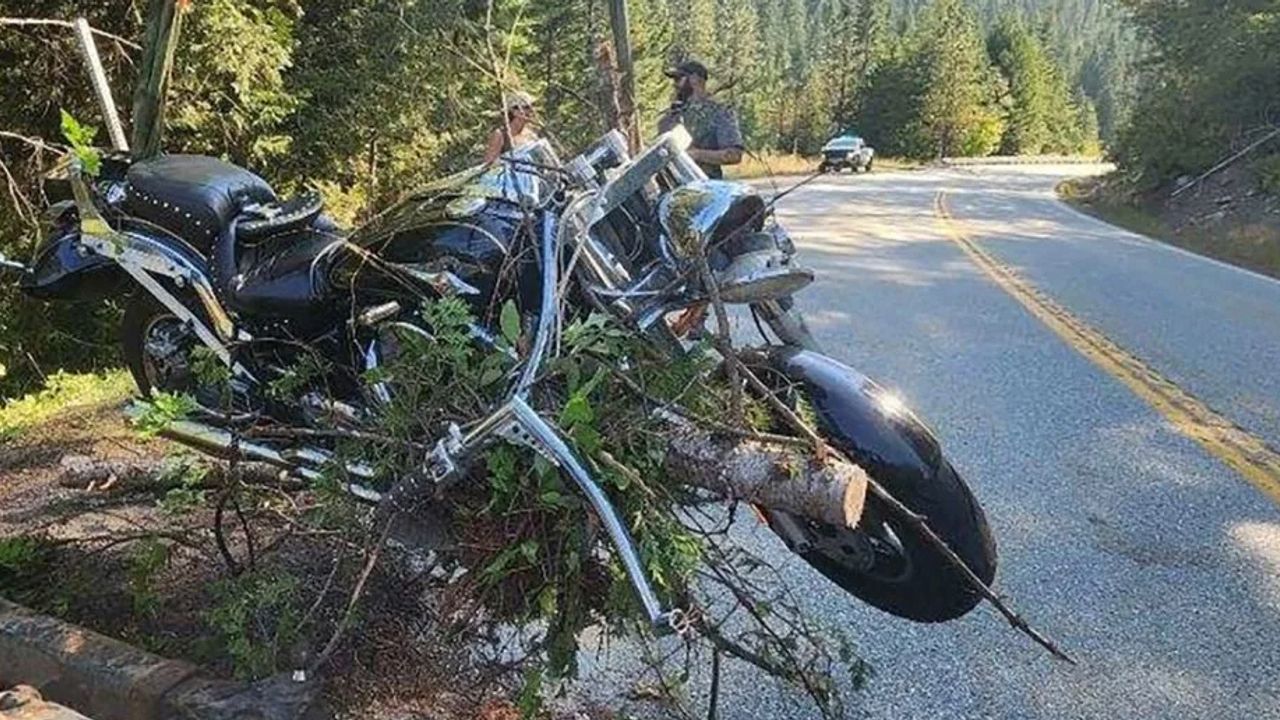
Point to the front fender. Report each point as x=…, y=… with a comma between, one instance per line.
x=861, y=418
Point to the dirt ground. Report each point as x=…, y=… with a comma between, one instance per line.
x=400, y=664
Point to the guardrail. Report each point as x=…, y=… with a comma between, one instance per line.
x=1024, y=160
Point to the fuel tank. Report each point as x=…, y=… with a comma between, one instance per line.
x=473, y=224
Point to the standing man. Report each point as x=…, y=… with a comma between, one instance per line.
x=717, y=141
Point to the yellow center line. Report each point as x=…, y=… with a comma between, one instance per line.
x=1242, y=451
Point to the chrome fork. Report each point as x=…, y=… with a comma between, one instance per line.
x=527, y=427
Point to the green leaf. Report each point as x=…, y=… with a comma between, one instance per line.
x=75, y=133
x=81, y=139
x=588, y=438
x=547, y=601
x=164, y=408
x=529, y=549
x=543, y=467
x=530, y=700
x=510, y=322
x=577, y=410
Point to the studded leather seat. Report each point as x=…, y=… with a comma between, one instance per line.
x=192, y=196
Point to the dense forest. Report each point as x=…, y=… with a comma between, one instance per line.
x=363, y=99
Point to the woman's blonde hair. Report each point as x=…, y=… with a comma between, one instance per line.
x=516, y=100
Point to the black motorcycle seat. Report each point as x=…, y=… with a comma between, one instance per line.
x=287, y=277
x=192, y=196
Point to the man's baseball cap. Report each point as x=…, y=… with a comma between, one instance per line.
x=688, y=67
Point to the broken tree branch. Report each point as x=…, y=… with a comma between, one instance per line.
x=64, y=23
x=831, y=491
x=124, y=475
x=723, y=340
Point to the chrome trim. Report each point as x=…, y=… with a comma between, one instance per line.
x=222, y=442
x=380, y=391
x=138, y=254
x=545, y=434
x=548, y=311
x=377, y=313
x=788, y=325
x=690, y=213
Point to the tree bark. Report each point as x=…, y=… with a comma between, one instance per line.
x=121, y=475
x=607, y=79
x=626, y=72
x=793, y=480
x=164, y=22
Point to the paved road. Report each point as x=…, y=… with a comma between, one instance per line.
x=1150, y=559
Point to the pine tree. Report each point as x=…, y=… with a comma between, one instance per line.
x=1026, y=70
x=957, y=115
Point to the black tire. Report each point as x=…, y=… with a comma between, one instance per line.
x=926, y=588
x=140, y=314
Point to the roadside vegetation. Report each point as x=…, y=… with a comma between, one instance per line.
x=253, y=574
x=1232, y=218
x=62, y=391
x=1199, y=160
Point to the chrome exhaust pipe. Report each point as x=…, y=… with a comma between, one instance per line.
x=223, y=443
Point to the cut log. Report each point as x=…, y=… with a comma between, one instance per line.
x=121, y=475
x=831, y=491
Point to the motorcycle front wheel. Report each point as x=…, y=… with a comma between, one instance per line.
x=890, y=565
x=883, y=560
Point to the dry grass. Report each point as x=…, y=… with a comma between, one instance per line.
x=1248, y=244
x=759, y=165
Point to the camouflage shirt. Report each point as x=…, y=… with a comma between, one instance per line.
x=711, y=125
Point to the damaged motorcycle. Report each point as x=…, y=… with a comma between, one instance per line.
x=210, y=257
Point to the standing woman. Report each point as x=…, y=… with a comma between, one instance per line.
x=516, y=129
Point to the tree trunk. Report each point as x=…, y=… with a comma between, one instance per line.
x=164, y=21
x=607, y=78
x=626, y=72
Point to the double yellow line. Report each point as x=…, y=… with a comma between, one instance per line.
x=1245, y=453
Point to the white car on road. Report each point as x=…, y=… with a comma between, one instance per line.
x=846, y=151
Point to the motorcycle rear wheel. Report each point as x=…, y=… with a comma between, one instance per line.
x=147, y=321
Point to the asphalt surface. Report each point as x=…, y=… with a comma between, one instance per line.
x=1146, y=557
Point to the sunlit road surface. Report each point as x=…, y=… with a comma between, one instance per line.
x=1149, y=553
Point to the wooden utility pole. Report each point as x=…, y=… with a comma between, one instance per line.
x=622, y=50
x=164, y=21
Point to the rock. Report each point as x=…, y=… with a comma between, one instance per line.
x=116, y=681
